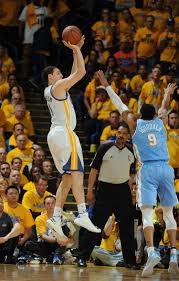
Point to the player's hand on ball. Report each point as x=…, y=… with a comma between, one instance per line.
x=70, y=46
x=81, y=42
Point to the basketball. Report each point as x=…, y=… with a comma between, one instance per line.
x=72, y=34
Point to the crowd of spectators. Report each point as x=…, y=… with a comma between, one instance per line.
x=136, y=44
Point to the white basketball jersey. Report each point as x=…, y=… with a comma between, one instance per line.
x=61, y=110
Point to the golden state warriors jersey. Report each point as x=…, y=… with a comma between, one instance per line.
x=61, y=110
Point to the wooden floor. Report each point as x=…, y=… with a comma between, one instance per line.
x=73, y=273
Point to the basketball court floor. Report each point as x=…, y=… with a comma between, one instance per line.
x=73, y=273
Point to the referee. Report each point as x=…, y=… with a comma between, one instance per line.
x=111, y=164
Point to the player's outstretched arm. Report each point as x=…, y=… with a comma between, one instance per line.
x=80, y=44
x=116, y=100
x=66, y=83
x=168, y=92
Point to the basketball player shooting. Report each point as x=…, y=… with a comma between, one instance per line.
x=155, y=175
x=63, y=143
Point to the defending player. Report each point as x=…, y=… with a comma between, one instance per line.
x=63, y=143
x=155, y=176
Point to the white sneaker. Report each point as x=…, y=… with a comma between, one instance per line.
x=153, y=259
x=173, y=264
x=84, y=221
x=55, y=224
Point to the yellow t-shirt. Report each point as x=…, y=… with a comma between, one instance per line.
x=2, y=118
x=147, y=40
x=160, y=19
x=12, y=142
x=137, y=82
x=126, y=29
x=33, y=202
x=139, y=16
x=109, y=243
x=177, y=185
x=29, y=186
x=152, y=93
x=90, y=91
x=124, y=84
x=9, y=111
x=21, y=214
x=23, y=180
x=26, y=156
x=107, y=133
x=174, y=105
x=103, y=31
x=169, y=53
x=133, y=105
x=40, y=223
x=104, y=109
x=29, y=129
x=173, y=146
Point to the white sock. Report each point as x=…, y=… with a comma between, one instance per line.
x=173, y=251
x=57, y=212
x=150, y=250
x=81, y=208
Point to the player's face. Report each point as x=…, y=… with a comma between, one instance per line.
x=56, y=75
x=122, y=136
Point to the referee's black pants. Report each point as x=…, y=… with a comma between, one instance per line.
x=117, y=199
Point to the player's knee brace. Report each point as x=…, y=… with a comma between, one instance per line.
x=147, y=217
x=169, y=218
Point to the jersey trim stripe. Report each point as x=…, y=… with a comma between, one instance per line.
x=57, y=98
x=74, y=155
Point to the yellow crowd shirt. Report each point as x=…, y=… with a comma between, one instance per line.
x=10, y=11
x=26, y=155
x=137, y=82
x=29, y=186
x=103, y=31
x=169, y=53
x=147, y=40
x=40, y=223
x=33, y=202
x=173, y=146
x=21, y=214
x=109, y=243
x=90, y=91
x=139, y=16
x=133, y=105
x=161, y=18
x=29, y=129
x=152, y=93
x=23, y=180
x=12, y=142
x=107, y=133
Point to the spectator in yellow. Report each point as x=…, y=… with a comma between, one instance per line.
x=34, y=172
x=167, y=45
x=102, y=106
x=4, y=183
x=152, y=91
x=160, y=14
x=126, y=24
x=11, y=142
x=7, y=65
x=109, y=132
x=2, y=128
x=8, y=88
x=20, y=117
x=19, y=213
x=33, y=200
x=118, y=81
x=9, y=108
x=16, y=164
x=102, y=29
x=138, y=80
x=138, y=15
x=90, y=91
x=173, y=139
x=175, y=102
x=26, y=154
x=102, y=53
x=145, y=46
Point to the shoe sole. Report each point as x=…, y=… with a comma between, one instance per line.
x=147, y=271
x=59, y=236
x=97, y=230
x=173, y=267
